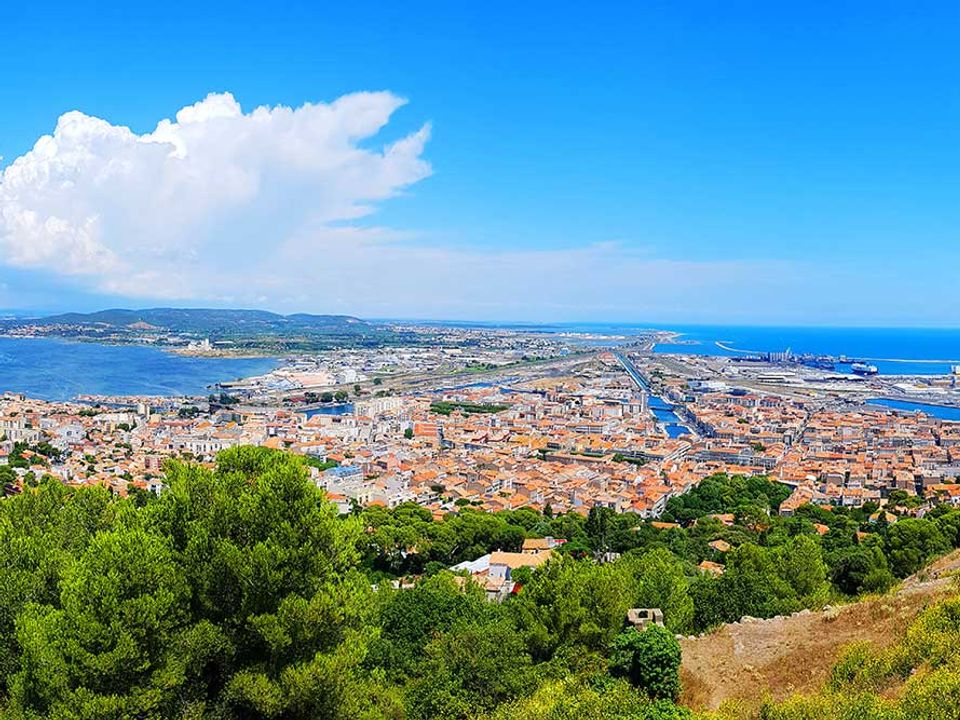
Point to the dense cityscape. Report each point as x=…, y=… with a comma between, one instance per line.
x=524, y=421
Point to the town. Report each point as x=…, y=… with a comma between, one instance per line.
x=521, y=423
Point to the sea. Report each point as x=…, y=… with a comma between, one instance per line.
x=895, y=351
x=52, y=369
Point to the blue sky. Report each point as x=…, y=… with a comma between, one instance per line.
x=743, y=162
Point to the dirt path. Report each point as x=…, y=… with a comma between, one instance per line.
x=753, y=659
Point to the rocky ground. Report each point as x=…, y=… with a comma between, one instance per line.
x=753, y=659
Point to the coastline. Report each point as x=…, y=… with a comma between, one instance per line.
x=222, y=353
x=61, y=369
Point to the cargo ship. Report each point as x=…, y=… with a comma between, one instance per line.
x=860, y=368
x=821, y=362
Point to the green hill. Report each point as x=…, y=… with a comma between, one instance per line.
x=212, y=321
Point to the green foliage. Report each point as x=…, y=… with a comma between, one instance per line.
x=791, y=565
x=650, y=660
x=411, y=618
x=852, y=567
x=319, y=464
x=912, y=542
x=753, y=585
x=240, y=592
x=577, y=698
x=404, y=540
x=722, y=493
x=661, y=583
x=475, y=667
x=235, y=591
x=445, y=407
x=572, y=606
x=802, y=566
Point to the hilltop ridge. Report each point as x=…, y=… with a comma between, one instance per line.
x=754, y=659
x=210, y=320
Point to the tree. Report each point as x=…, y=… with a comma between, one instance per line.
x=661, y=584
x=340, y=396
x=409, y=619
x=912, y=542
x=572, y=605
x=851, y=567
x=139, y=496
x=471, y=671
x=650, y=660
x=122, y=607
x=578, y=698
x=949, y=524
x=752, y=585
x=802, y=566
x=598, y=526
x=237, y=589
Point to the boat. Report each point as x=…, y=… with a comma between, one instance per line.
x=821, y=362
x=864, y=369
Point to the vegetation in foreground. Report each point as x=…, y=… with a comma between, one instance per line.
x=240, y=593
x=916, y=678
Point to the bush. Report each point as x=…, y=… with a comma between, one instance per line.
x=650, y=660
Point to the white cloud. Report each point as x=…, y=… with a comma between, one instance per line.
x=158, y=214
x=271, y=208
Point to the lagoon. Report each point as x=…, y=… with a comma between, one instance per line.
x=52, y=369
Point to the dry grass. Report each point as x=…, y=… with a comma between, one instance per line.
x=747, y=662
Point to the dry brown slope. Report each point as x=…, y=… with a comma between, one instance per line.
x=753, y=659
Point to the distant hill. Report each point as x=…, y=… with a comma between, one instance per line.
x=217, y=322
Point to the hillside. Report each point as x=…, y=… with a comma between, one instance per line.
x=752, y=659
x=214, y=321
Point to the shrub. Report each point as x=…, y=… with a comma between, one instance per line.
x=650, y=660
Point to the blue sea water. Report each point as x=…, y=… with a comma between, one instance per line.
x=57, y=370
x=341, y=409
x=938, y=411
x=895, y=351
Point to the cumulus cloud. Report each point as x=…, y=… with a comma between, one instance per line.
x=272, y=208
x=203, y=198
